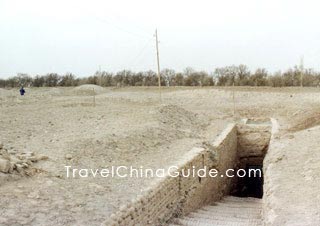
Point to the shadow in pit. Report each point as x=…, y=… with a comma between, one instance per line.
x=251, y=185
x=253, y=143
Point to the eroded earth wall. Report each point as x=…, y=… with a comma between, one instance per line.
x=292, y=180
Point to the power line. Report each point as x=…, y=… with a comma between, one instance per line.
x=141, y=36
x=135, y=59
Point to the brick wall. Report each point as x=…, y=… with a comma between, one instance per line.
x=171, y=197
x=174, y=196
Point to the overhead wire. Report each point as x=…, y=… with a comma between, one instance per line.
x=139, y=35
x=135, y=59
x=136, y=34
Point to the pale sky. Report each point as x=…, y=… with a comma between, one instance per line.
x=39, y=36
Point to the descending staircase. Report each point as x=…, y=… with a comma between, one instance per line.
x=230, y=211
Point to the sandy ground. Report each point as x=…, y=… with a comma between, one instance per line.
x=293, y=179
x=127, y=126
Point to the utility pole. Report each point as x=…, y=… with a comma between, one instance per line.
x=158, y=62
x=301, y=71
x=234, y=102
x=100, y=76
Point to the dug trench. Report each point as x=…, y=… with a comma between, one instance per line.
x=208, y=201
x=253, y=143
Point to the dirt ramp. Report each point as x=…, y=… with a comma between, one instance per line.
x=305, y=121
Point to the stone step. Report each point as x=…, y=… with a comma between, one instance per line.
x=216, y=214
x=242, y=199
x=236, y=205
x=230, y=211
x=188, y=221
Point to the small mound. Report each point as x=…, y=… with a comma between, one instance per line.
x=311, y=120
x=178, y=117
x=89, y=88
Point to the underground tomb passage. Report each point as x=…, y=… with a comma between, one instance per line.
x=253, y=143
x=241, y=145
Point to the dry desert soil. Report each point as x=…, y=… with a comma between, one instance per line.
x=93, y=127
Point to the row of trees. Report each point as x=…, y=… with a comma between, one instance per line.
x=224, y=76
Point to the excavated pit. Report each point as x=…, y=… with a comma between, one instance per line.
x=243, y=205
x=253, y=142
x=250, y=186
x=208, y=201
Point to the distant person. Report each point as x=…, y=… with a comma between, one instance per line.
x=22, y=91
